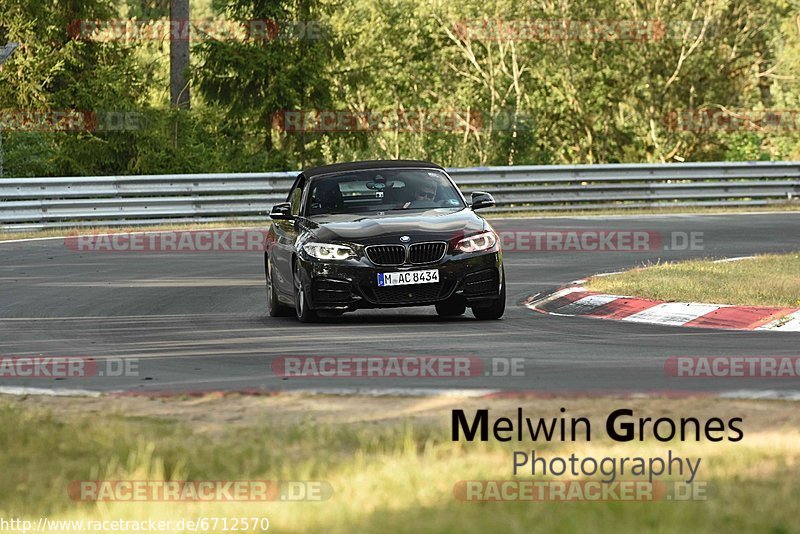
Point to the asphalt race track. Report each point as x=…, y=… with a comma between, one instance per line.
x=197, y=321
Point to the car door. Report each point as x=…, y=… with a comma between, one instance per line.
x=285, y=237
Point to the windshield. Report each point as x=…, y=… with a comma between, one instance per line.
x=380, y=190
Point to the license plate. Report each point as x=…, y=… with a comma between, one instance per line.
x=408, y=277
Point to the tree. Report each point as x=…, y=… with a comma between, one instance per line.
x=54, y=71
x=282, y=65
x=179, y=53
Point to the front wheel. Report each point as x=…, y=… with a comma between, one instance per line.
x=493, y=311
x=304, y=313
x=274, y=306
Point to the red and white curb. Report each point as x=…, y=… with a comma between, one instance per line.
x=576, y=300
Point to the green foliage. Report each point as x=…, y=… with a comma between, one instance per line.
x=51, y=70
x=534, y=100
x=256, y=78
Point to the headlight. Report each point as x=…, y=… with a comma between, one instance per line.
x=327, y=251
x=477, y=243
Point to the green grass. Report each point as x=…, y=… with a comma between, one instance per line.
x=394, y=476
x=769, y=280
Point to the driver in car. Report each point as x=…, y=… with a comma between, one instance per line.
x=425, y=192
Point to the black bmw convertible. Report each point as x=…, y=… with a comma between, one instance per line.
x=382, y=234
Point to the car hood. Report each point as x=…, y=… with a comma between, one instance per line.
x=434, y=224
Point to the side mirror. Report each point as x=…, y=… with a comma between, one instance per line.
x=482, y=200
x=282, y=211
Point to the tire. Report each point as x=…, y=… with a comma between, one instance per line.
x=274, y=306
x=450, y=308
x=303, y=312
x=495, y=310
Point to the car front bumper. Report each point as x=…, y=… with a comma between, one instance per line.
x=353, y=284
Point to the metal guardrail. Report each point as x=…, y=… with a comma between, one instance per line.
x=31, y=203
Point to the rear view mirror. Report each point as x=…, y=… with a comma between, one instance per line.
x=282, y=211
x=481, y=200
